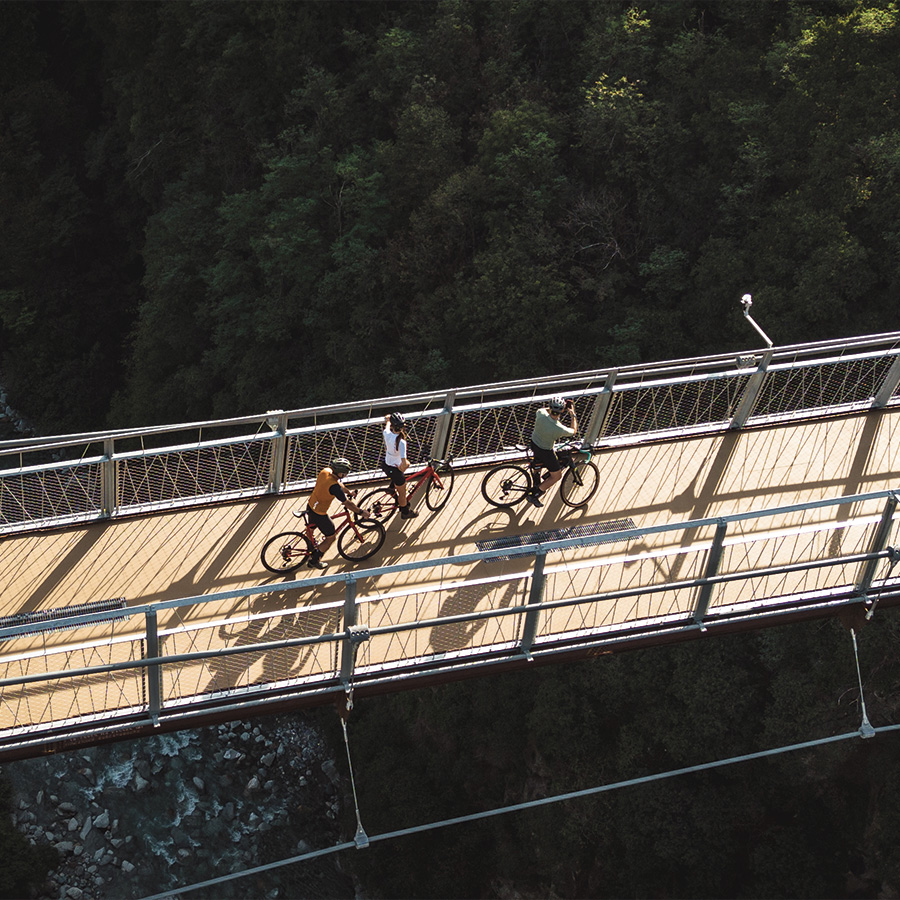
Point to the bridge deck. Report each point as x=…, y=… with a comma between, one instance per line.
x=209, y=549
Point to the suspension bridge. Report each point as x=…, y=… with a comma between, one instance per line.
x=736, y=491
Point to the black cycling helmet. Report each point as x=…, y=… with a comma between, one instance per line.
x=398, y=420
x=340, y=466
x=557, y=404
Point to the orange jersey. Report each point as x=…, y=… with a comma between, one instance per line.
x=321, y=497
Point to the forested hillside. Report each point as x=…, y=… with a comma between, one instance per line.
x=217, y=208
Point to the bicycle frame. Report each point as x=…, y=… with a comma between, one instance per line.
x=566, y=455
x=423, y=476
x=311, y=529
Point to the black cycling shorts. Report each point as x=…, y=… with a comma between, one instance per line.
x=546, y=458
x=325, y=524
x=392, y=472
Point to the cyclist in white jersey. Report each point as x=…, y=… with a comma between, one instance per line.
x=395, y=461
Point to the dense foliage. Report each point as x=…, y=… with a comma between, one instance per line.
x=210, y=209
x=816, y=823
x=217, y=208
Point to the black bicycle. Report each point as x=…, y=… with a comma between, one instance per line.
x=508, y=483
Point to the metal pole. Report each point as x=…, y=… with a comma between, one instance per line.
x=888, y=386
x=601, y=409
x=879, y=541
x=712, y=569
x=277, y=421
x=441, y=440
x=536, y=594
x=154, y=672
x=108, y=479
x=354, y=634
x=746, y=303
x=751, y=392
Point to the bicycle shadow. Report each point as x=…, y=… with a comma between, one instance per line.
x=237, y=670
x=495, y=523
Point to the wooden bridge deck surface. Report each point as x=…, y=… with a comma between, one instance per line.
x=169, y=555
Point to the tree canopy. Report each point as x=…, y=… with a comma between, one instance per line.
x=212, y=209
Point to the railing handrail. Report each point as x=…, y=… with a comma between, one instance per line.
x=22, y=445
x=694, y=608
x=524, y=550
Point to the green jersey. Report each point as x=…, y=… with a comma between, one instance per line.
x=548, y=430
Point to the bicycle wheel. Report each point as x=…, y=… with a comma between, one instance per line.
x=379, y=504
x=361, y=539
x=505, y=485
x=285, y=552
x=579, y=484
x=437, y=495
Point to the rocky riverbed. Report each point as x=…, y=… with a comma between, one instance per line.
x=135, y=818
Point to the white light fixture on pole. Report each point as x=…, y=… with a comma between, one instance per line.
x=747, y=302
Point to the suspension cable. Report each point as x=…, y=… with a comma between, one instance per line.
x=865, y=729
x=573, y=795
x=361, y=839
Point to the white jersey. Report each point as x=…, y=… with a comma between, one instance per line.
x=393, y=457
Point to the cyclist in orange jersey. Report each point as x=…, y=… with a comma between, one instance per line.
x=328, y=488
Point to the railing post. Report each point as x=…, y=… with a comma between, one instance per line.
x=354, y=634
x=879, y=542
x=108, y=479
x=535, y=595
x=441, y=440
x=888, y=386
x=154, y=673
x=751, y=393
x=277, y=421
x=712, y=569
x=601, y=409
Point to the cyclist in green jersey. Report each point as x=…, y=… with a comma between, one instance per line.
x=547, y=431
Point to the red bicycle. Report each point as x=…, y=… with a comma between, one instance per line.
x=358, y=538
x=437, y=476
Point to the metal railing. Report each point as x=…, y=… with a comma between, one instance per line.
x=107, y=669
x=60, y=480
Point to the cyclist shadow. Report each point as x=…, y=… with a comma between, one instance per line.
x=399, y=536
x=469, y=598
x=261, y=667
x=495, y=523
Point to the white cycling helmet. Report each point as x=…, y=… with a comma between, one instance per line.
x=557, y=404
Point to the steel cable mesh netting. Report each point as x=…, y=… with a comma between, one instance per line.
x=671, y=406
x=804, y=546
x=361, y=445
x=240, y=671
x=817, y=386
x=51, y=493
x=436, y=640
x=194, y=472
x=620, y=575
x=482, y=432
x=71, y=697
x=396, y=646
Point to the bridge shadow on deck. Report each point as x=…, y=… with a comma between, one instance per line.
x=172, y=554
x=62, y=568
